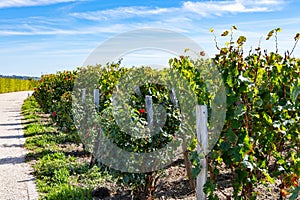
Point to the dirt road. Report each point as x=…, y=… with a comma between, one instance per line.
x=16, y=183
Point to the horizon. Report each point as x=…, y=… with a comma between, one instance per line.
x=43, y=36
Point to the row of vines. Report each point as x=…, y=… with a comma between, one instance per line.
x=14, y=85
x=260, y=140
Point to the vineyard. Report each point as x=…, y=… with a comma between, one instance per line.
x=258, y=152
x=14, y=85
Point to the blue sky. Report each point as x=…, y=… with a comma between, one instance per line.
x=45, y=36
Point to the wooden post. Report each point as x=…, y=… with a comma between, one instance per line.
x=94, y=159
x=96, y=98
x=83, y=95
x=174, y=98
x=149, y=109
x=202, y=148
x=137, y=90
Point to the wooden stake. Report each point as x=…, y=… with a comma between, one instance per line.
x=149, y=109
x=96, y=98
x=202, y=148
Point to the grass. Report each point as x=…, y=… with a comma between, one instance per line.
x=60, y=164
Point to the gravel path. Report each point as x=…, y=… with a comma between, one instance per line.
x=16, y=183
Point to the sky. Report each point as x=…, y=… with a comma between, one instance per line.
x=45, y=36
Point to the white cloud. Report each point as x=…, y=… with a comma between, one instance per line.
x=30, y=30
x=24, y=3
x=121, y=13
x=208, y=8
x=181, y=19
x=202, y=8
x=262, y=2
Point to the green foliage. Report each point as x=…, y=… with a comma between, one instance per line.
x=15, y=85
x=53, y=94
x=106, y=79
x=259, y=141
x=30, y=108
x=139, y=115
x=52, y=165
x=67, y=191
x=262, y=122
